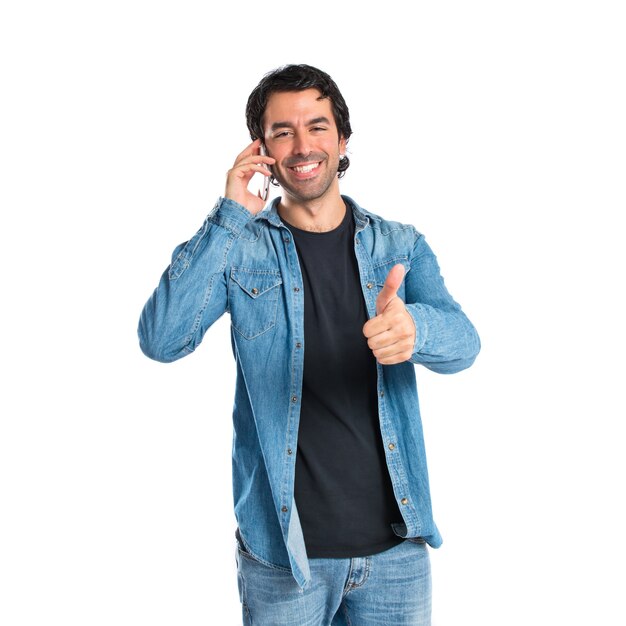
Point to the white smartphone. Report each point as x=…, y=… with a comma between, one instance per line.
x=265, y=192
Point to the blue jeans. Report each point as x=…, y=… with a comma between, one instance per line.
x=389, y=588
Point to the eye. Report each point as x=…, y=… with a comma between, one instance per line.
x=318, y=128
x=282, y=134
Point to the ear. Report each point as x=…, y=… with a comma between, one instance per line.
x=342, y=146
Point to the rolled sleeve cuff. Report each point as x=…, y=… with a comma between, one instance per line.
x=421, y=327
x=230, y=214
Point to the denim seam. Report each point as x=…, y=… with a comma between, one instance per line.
x=207, y=296
x=292, y=417
x=223, y=222
x=253, y=230
x=395, y=463
x=351, y=586
x=244, y=596
x=204, y=229
x=393, y=229
x=273, y=306
x=261, y=332
x=236, y=222
x=421, y=336
x=398, y=257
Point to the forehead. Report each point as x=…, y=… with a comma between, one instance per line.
x=296, y=107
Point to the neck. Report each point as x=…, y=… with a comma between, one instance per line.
x=319, y=215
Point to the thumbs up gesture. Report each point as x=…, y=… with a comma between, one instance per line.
x=391, y=334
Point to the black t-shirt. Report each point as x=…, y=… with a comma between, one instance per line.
x=342, y=487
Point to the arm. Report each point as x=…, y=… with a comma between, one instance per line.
x=445, y=340
x=192, y=293
x=429, y=328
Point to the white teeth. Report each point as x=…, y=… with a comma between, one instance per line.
x=305, y=168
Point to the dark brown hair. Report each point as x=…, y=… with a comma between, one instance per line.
x=298, y=78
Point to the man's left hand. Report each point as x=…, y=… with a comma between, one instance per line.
x=391, y=334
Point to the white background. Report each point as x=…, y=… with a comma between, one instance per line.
x=496, y=128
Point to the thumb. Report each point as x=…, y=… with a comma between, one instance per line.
x=390, y=288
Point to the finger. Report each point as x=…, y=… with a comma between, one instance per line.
x=382, y=340
x=256, y=159
x=252, y=148
x=390, y=337
x=390, y=288
x=247, y=170
x=252, y=154
x=375, y=326
x=401, y=357
x=237, y=180
x=394, y=353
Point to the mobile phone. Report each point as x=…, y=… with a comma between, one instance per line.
x=265, y=192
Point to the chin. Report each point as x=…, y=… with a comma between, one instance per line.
x=302, y=194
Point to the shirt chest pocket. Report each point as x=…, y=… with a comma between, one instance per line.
x=253, y=300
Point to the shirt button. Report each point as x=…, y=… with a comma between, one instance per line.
x=289, y=451
x=369, y=285
x=392, y=446
x=294, y=398
x=286, y=239
x=382, y=393
x=255, y=290
x=296, y=289
x=298, y=345
x=284, y=509
x=404, y=500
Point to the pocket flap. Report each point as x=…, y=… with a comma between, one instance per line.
x=256, y=282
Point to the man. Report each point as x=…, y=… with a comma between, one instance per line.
x=331, y=306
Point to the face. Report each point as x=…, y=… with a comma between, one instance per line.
x=301, y=134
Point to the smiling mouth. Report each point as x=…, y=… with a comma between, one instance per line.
x=305, y=169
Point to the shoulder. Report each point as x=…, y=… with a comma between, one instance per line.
x=386, y=241
x=381, y=225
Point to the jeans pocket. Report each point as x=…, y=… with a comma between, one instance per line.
x=241, y=548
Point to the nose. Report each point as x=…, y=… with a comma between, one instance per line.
x=301, y=145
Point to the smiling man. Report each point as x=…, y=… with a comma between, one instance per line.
x=331, y=307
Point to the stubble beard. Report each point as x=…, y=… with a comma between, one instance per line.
x=309, y=190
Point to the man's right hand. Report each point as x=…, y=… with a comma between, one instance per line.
x=238, y=177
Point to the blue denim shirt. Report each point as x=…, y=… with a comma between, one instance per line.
x=248, y=266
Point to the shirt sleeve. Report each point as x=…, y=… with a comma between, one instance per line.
x=445, y=340
x=192, y=292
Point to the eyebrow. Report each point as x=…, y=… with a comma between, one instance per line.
x=315, y=120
